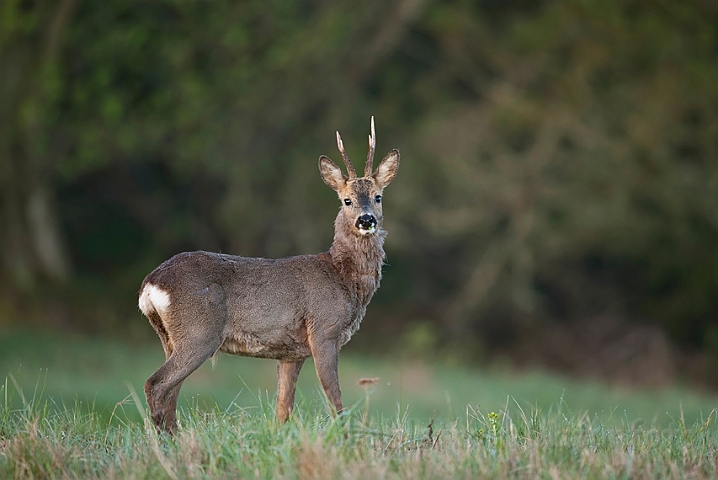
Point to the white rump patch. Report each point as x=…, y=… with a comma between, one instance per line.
x=153, y=299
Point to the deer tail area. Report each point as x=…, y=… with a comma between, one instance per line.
x=154, y=303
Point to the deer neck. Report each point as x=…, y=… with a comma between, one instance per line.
x=358, y=258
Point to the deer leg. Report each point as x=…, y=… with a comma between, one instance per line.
x=162, y=388
x=171, y=406
x=287, y=374
x=172, y=395
x=326, y=362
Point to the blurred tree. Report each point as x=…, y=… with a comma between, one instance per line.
x=582, y=179
x=559, y=157
x=32, y=40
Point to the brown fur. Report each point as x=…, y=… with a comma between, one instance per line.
x=285, y=309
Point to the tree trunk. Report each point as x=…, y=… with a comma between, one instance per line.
x=32, y=246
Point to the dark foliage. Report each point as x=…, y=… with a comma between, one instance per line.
x=559, y=157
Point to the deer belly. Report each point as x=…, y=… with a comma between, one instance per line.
x=248, y=344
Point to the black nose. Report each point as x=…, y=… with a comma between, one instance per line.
x=366, y=221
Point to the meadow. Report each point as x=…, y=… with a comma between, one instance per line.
x=72, y=407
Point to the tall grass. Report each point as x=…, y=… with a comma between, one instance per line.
x=93, y=374
x=83, y=419
x=42, y=440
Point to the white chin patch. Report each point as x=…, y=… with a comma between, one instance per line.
x=369, y=231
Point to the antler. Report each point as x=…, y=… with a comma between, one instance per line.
x=372, y=147
x=350, y=168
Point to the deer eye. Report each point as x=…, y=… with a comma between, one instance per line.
x=378, y=199
x=347, y=202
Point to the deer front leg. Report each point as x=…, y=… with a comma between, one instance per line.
x=287, y=374
x=326, y=361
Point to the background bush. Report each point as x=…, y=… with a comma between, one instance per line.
x=558, y=169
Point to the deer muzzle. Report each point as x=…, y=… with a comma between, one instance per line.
x=366, y=224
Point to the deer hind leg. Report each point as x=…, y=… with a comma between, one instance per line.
x=171, y=397
x=184, y=357
x=287, y=374
x=170, y=419
x=189, y=339
x=162, y=388
x=158, y=410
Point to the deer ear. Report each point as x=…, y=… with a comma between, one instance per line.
x=331, y=174
x=386, y=171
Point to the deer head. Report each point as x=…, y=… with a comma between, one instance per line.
x=361, y=196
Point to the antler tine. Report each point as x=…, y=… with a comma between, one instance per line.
x=372, y=148
x=350, y=168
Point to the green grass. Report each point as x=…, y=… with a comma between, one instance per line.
x=69, y=408
x=37, y=442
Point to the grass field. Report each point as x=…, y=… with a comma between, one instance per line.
x=71, y=407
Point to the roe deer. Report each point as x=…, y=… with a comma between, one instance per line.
x=286, y=309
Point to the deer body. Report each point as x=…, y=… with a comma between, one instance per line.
x=285, y=309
